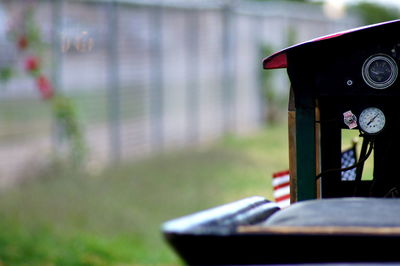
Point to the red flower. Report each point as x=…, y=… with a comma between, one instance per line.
x=45, y=87
x=32, y=64
x=22, y=43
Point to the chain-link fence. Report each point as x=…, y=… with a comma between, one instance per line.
x=146, y=76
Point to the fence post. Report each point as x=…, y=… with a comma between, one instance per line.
x=113, y=91
x=56, y=67
x=56, y=58
x=156, y=80
x=192, y=76
x=258, y=46
x=228, y=69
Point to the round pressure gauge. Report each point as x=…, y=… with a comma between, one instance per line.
x=372, y=120
x=379, y=71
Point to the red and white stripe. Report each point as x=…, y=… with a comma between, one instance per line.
x=281, y=184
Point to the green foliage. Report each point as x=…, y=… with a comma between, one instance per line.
x=26, y=34
x=374, y=13
x=32, y=30
x=274, y=101
x=6, y=74
x=266, y=76
x=65, y=113
x=300, y=1
x=291, y=36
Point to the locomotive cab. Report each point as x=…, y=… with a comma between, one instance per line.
x=345, y=81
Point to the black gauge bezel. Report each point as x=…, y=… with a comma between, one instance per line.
x=379, y=85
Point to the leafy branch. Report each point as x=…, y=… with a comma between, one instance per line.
x=26, y=35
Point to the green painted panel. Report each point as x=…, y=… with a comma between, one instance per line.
x=305, y=148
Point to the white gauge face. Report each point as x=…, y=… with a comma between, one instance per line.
x=372, y=120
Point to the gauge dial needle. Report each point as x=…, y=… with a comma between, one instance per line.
x=372, y=120
x=376, y=72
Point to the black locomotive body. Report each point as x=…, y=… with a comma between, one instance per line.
x=345, y=81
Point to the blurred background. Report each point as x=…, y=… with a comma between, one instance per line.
x=116, y=116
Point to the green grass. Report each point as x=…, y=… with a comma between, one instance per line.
x=18, y=115
x=70, y=218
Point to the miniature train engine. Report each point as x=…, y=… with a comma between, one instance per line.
x=345, y=81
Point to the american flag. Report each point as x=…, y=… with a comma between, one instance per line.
x=348, y=159
x=281, y=184
x=281, y=180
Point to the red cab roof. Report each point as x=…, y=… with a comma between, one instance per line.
x=279, y=59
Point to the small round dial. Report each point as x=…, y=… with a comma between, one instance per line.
x=372, y=120
x=379, y=71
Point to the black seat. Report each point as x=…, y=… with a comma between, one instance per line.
x=366, y=212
